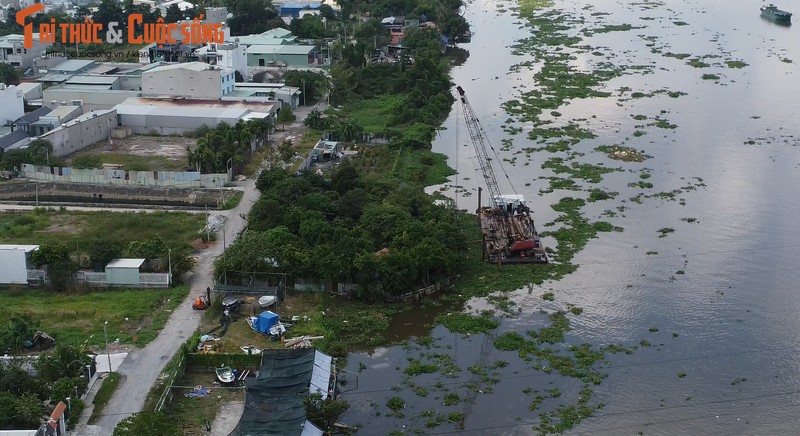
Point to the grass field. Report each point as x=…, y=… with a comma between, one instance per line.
x=103, y=395
x=191, y=414
x=78, y=230
x=134, y=316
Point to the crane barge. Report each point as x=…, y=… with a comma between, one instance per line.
x=509, y=233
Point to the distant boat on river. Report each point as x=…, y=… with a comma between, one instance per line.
x=773, y=13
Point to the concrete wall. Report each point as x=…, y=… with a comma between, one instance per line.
x=85, y=193
x=13, y=105
x=81, y=132
x=146, y=124
x=184, y=179
x=91, y=99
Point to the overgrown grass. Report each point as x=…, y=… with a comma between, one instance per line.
x=132, y=162
x=134, y=316
x=410, y=165
x=103, y=395
x=78, y=230
x=191, y=414
x=233, y=201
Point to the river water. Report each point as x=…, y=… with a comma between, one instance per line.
x=717, y=299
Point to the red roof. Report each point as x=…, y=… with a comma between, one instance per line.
x=56, y=415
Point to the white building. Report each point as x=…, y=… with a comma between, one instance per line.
x=275, y=92
x=182, y=5
x=30, y=91
x=81, y=132
x=229, y=54
x=13, y=106
x=13, y=52
x=180, y=116
x=188, y=80
x=16, y=263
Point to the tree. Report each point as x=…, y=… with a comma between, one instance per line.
x=252, y=16
x=64, y=361
x=15, y=331
x=8, y=74
x=310, y=27
x=147, y=424
x=40, y=152
x=60, y=266
x=103, y=252
x=324, y=413
x=28, y=411
x=108, y=11
x=82, y=12
x=173, y=14
x=285, y=116
x=315, y=120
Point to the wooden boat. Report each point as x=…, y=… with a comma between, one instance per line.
x=773, y=13
x=267, y=301
x=225, y=374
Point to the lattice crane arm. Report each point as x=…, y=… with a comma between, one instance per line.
x=476, y=135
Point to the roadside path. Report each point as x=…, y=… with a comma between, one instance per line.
x=142, y=367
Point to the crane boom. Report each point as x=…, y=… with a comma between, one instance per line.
x=476, y=134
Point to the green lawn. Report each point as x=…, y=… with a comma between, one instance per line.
x=78, y=230
x=375, y=115
x=103, y=396
x=134, y=316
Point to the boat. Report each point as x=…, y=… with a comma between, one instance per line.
x=267, y=323
x=773, y=13
x=225, y=374
x=267, y=301
x=249, y=349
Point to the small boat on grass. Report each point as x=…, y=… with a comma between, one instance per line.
x=773, y=13
x=225, y=375
x=267, y=301
x=267, y=323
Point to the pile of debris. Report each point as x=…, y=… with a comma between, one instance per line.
x=214, y=223
x=300, y=342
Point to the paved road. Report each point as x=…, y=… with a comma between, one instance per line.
x=142, y=367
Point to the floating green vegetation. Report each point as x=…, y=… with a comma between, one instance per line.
x=561, y=183
x=528, y=7
x=710, y=77
x=786, y=60
x=680, y=23
x=663, y=232
x=736, y=64
x=450, y=399
x=638, y=133
x=664, y=124
x=738, y=380
x=549, y=296
x=625, y=154
x=689, y=220
x=641, y=185
x=466, y=323
x=576, y=170
x=639, y=117
x=697, y=63
x=611, y=28
x=680, y=56
x=653, y=330
x=599, y=194
x=577, y=230
x=681, y=374
x=415, y=367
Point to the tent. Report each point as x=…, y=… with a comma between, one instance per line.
x=265, y=321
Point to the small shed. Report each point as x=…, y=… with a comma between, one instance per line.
x=123, y=271
x=15, y=260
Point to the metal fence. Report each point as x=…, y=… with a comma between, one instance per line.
x=146, y=280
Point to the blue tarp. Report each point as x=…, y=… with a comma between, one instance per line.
x=264, y=321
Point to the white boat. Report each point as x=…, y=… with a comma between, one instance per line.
x=225, y=374
x=267, y=300
x=247, y=349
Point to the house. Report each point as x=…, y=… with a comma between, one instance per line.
x=292, y=56
x=325, y=151
x=16, y=261
x=55, y=118
x=63, y=71
x=189, y=80
x=94, y=82
x=182, y=5
x=124, y=272
x=23, y=123
x=228, y=54
x=14, y=140
x=12, y=50
x=274, y=92
x=13, y=105
x=277, y=36
x=30, y=91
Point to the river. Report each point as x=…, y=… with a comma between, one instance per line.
x=702, y=281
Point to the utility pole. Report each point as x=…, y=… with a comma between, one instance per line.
x=304, y=92
x=208, y=236
x=108, y=352
x=169, y=261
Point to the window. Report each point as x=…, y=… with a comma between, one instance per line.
x=261, y=63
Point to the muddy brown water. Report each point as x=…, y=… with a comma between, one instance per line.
x=717, y=299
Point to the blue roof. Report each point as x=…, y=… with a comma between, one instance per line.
x=301, y=5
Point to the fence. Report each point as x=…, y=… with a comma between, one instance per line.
x=178, y=179
x=146, y=280
x=421, y=292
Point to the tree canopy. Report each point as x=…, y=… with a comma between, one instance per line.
x=147, y=424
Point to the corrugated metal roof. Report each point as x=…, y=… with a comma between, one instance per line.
x=190, y=103
x=125, y=263
x=81, y=79
x=286, y=49
x=33, y=116
x=72, y=65
x=178, y=111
